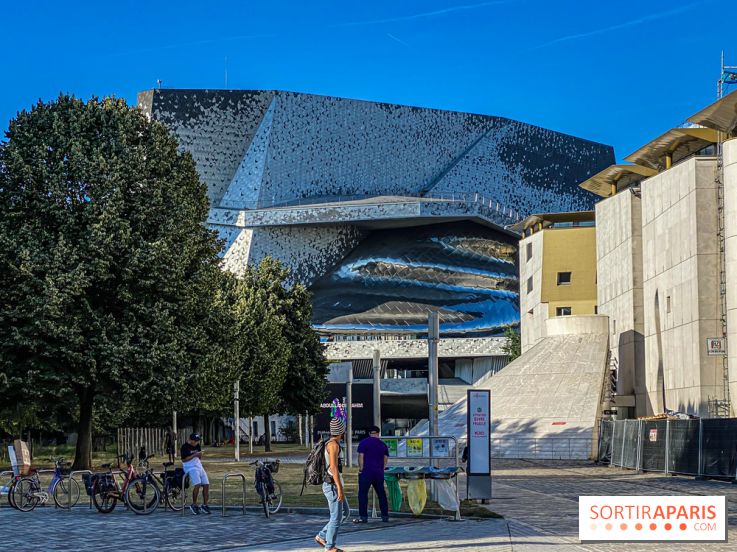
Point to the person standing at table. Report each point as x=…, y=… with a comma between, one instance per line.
x=373, y=456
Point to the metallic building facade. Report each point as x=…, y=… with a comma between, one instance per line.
x=386, y=211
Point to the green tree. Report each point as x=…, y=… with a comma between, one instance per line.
x=307, y=371
x=513, y=346
x=261, y=346
x=108, y=276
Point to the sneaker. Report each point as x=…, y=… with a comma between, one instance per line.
x=205, y=508
x=194, y=509
x=386, y=519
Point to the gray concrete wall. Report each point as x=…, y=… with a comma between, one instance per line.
x=416, y=348
x=680, y=290
x=619, y=289
x=730, y=231
x=533, y=313
x=548, y=399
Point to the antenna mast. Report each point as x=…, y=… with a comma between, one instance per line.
x=727, y=76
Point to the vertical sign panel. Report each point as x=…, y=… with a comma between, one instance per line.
x=479, y=429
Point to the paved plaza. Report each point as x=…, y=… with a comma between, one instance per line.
x=537, y=499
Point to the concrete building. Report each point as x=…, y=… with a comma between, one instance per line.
x=387, y=212
x=667, y=267
x=557, y=266
x=546, y=403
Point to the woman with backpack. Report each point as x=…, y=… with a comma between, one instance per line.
x=332, y=486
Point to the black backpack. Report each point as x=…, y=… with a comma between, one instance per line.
x=316, y=470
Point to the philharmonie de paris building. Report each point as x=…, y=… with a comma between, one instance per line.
x=387, y=213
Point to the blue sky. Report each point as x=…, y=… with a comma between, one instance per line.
x=617, y=72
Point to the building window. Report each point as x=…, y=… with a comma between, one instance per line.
x=562, y=311
x=614, y=327
x=529, y=251
x=529, y=284
x=564, y=278
x=596, y=309
x=667, y=303
x=273, y=429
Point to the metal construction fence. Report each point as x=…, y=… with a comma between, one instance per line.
x=703, y=447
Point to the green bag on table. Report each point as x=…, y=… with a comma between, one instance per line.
x=394, y=492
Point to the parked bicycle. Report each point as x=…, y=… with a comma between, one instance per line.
x=135, y=490
x=25, y=491
x=267, y=488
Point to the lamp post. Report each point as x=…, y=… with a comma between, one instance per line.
x=237, y=420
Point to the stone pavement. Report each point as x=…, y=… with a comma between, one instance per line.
x=538, y=499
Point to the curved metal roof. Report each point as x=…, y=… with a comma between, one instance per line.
x=721, y=115
x=677, y=142
x=621, y=176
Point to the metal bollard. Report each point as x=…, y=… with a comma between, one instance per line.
x=243, y=492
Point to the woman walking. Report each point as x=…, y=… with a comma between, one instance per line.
x=332, y=488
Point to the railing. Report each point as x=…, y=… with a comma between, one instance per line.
x=541, y=448
x=489, y=205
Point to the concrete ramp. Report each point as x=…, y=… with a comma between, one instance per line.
x=546, y=403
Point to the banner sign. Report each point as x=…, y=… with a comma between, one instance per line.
x=479, y=431
x=652, y=518
x=716, y=346
x=414, y=448
x=440, y=447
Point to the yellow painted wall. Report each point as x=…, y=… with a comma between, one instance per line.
x=569, y=250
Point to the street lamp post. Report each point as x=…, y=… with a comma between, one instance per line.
x=237, y=420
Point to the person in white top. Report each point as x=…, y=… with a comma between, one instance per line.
x=191, y=454
x=332, y=488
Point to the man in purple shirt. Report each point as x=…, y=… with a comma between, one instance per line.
x=373, y=455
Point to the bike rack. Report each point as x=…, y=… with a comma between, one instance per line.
x=184, y=491
x=243, y=492
x=71, y=477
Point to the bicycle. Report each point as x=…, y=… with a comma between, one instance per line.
x=169, y=483
x=137, y=491
x=25, y=492
x=267, y=488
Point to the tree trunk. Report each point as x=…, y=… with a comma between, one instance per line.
x=83, y=452
x=267, y=434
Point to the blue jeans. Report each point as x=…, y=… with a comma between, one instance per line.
x=365, y=482
x=330, y=532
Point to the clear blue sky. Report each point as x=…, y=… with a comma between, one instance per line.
x=619, y=72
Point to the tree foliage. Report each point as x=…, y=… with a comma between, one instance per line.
x=513, y=346
x=281, y=359
x=113, y=305
x=110, y=287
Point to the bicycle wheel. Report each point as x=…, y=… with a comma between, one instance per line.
x=24, y=494
x=10, y=493
x=142, y=496
x=173, y=497
x=264, y=498
x=62, y=491
x=104, y=501
x=275, y=499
